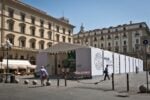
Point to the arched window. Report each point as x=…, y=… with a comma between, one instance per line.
x=95, y=39
x=50, y=35
x=22, y=41
x=32, y=43
x=69, y=40
x=41, y=44
x=10, y=24
x=49, y=44
x=78, y=41
x=63, y=38
x=10, y=12
x=109, y=44
x=102, y=38
x=109, y=37
x=10, y=37
x=41, y=33
x=32, y=29
x=22, y=27
x=57, y=37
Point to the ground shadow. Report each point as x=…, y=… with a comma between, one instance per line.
x=36, y=86
x=101, y=89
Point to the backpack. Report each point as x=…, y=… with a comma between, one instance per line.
x=44, y=75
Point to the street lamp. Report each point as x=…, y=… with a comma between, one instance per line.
x=146, y=42
x=8, y=46
x=2, y=48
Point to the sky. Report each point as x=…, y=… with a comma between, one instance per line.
x=96, y=14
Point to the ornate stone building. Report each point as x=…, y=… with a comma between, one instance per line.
x=30, y=30
x=125, y=39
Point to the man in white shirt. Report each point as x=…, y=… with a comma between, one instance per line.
x=43, y=75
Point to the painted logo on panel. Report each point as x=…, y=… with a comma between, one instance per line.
x=98, y=61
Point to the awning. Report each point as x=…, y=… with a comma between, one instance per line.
x=11, y=66
x=63, y=47
x=15, y=64
x=22, y=66
x=2, y=66
x=32, y=66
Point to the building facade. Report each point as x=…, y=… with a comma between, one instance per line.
x=30, y=30
x=125, y=39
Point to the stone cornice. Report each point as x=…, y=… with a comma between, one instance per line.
x=17, y=3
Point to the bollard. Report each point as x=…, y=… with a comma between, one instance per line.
x=113, y=87
x=127, y=82
x=58, y=81
x=65, y=79
x=48, y=83
x=26, y=82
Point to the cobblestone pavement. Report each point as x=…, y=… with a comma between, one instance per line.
x=76, y=90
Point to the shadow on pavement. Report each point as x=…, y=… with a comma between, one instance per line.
x=35, y=86
x=101, y=89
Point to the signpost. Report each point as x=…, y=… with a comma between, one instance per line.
x=145, y=42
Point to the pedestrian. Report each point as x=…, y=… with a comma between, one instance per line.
x=106, y=73
x=137, y=69
x=43, y=75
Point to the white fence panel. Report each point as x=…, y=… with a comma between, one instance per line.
x=108, y=61
x=122, y=64
x=116, y=63
x=97, y=61
x=127, y=64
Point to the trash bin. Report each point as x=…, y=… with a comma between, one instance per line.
x=12, y=78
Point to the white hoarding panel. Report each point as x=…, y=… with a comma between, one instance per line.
x=122, y=64
x=97, y=61
x=108, y=60
x=83, y=61
x=134, y=67
x=116, y=63
x=127, y=64
x=136, y=63
x=140, y=65
x=131, y=64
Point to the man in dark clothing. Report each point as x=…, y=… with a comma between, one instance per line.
x=106, y=73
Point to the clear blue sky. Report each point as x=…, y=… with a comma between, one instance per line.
x=96, y=13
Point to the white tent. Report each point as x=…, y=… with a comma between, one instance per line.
x=63, y=47
x=89, y=60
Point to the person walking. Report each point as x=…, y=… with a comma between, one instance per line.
x=43, y=75
x=106, y=73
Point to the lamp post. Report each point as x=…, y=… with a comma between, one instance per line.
x=145, y=42
x=8, y=46
x=2, y=48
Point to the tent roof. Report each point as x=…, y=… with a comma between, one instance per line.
x=63, y=47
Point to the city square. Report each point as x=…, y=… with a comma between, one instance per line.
x=62, y=50
x=76, y=89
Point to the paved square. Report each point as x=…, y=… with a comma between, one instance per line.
x=84, y=90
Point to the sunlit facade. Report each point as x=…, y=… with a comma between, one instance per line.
x=125, y=39
x=30, y=30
